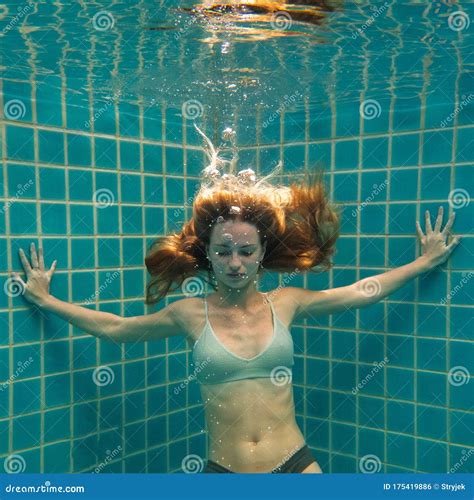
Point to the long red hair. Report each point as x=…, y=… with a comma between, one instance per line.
x=298, y=223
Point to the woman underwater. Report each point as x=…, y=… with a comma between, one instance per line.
x=240, y=338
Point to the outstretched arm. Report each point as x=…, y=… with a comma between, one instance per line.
x=370, y=290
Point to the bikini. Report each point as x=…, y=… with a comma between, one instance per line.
x=215, y=364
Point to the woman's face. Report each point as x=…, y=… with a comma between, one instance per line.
x=235, y=249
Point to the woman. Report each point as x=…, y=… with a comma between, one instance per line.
x=242, y=347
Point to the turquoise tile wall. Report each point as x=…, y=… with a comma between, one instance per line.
x=98, y=190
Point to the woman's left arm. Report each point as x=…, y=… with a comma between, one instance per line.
x=434, y=251
x=368, y=291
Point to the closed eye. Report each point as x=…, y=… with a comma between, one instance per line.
x=247, y=254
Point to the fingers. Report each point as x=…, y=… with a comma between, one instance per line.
x=24, y=261
x=439, y=220
x=53, y=267
x=41, y=258
x=449, y=224
x=34, y=257
x=453, y=243
x=429, y=229
x=419, y=231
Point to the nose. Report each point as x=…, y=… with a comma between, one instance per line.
x=235, y=262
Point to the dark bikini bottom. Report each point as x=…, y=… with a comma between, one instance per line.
x=296, y=463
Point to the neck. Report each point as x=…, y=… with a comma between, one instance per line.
x=242, y=298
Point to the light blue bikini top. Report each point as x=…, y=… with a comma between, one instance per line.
x=215, y=364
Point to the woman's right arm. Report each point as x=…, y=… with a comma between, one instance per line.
x=161, y=324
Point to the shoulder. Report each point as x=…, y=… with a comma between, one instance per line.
x=188, y=312
x=286, y=300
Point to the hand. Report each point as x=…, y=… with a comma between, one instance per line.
x=433, y=244
x=36, y=289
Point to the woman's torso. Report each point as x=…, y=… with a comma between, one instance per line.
x=251, y=422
